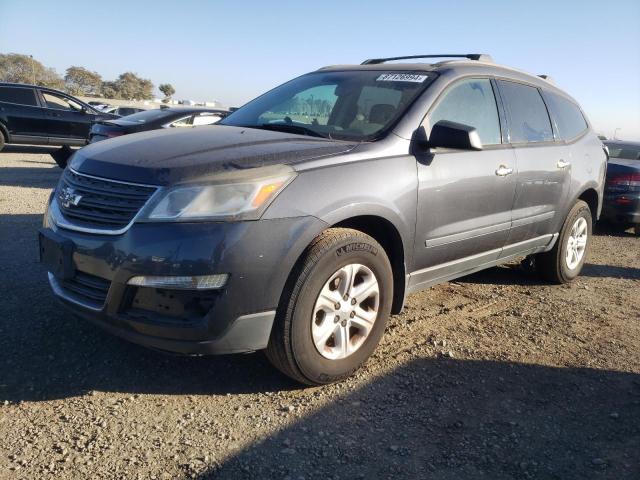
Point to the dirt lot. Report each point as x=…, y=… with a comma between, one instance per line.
x=495, y=376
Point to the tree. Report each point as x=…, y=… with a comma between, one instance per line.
x=129, y=86
x=109, y=90
x=80, y=81
x=168, y=90
x=18, y=68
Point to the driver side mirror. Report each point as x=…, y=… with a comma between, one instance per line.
x=447, y=134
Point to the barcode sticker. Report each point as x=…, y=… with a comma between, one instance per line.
x=401, y=77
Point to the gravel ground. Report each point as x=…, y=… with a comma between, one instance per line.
x=494, y=376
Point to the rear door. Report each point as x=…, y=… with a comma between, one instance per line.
x=464, y=197
x=20, y=111
x=543, y=166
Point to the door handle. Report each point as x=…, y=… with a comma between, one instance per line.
x=562, y=164
x=503, y=171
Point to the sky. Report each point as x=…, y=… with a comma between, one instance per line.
x=232, y=51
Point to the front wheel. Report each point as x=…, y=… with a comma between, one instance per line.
x=334, y=311
x=564, y=262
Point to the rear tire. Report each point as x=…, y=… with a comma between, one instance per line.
x=2, y=140
x=329, y=320
x=564, y=261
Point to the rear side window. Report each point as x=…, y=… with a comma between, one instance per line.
x=567, y=114
x=23, y=96
x=472, y=103
x=528, y=116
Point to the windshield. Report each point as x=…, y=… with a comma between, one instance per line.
x=350, y=105
x=628, y=152
x=148, y=115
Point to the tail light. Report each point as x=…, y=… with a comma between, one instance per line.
x=625, y=181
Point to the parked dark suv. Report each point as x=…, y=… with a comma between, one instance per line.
x=298, y=223
x=43, y=116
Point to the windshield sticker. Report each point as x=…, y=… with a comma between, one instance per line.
x=401, y=77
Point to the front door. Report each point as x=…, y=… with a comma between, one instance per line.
x=464, y=197
x=65, y=118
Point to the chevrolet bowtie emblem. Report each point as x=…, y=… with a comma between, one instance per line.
x=68, y=197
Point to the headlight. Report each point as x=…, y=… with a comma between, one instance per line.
x=239, y=195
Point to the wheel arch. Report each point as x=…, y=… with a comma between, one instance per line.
x=591, y=197
x=4, y=132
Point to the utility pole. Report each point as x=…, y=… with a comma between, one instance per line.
x=33, y=70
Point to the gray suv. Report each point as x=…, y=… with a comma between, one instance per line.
x=298, y=223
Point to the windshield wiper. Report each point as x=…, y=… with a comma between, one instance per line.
x=285, y=127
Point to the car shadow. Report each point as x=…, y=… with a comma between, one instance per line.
x=45, y=176
x=29, y=149
x=606, y=229
x=509, y=274
x=598, y=271
x=459, y=419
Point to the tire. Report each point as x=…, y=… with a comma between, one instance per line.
x=2, y=140
x=62, y=155
x=296, y=347
x=555, y=265
x=636, y=229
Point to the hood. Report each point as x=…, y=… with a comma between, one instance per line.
x=166, y=157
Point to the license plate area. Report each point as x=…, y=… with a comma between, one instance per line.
x=56, y=254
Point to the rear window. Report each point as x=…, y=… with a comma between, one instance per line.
x=567, y=114
x=22, y=96
x=528, y=117
x=627, y=152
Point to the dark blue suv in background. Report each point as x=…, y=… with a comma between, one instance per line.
x=298, y=223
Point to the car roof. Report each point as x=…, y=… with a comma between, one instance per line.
x=456, y=67
x=28, y=85
x=622, y=143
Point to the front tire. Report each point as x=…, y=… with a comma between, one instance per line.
x=564, y=261
x=334, y=308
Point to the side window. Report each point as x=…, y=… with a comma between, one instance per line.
x=182, y=122
x=529, y=119
x=22, y=96
x=567, y=114
x=59, y=102
x=205, y=119
x=472, y=103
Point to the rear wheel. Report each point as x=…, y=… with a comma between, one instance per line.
x=564, y=262
x=2, y=140
x=335, y=310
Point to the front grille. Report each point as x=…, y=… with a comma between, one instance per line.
x=100, y=202
x=87, y=288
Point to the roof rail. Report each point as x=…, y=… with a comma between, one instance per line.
x=481, y=57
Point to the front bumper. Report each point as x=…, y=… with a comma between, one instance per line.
x=258, y=257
